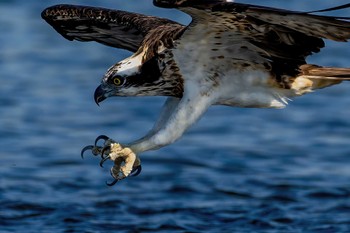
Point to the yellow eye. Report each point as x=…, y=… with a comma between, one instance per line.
x=117, y=81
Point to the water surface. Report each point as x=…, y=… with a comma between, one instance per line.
x=237, y=170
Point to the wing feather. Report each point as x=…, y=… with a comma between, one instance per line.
x=114, y=28
x=282, y=38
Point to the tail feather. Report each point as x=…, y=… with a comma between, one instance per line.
x=314, y=77
x=325, y=73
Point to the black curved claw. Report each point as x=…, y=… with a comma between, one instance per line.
x=89, y=147
x=112, y=183
x=104, y=149
x=104, y=160
x=116, y=179
x=104, y=137
x=136, y=171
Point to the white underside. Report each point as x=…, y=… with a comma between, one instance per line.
x=241, y=88
x=245, y=89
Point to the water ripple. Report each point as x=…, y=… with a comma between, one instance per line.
x=255, y=171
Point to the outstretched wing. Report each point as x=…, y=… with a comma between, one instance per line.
x=276, y=38
x=114, y=28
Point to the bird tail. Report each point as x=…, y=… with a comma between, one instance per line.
x=314, y=77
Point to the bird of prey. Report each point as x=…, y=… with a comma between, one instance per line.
x=231, y=54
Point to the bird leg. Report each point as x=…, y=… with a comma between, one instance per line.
x=177, y=116
x=126, y=162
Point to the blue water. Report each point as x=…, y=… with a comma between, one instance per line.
x=237, y=170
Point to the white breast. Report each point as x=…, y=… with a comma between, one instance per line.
x=229, y=80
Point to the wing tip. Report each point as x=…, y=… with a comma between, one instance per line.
x=55, y=10
x=50, y=14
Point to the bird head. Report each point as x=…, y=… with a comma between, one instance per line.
x=133, y=77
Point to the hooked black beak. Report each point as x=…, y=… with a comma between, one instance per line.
x=99, y=95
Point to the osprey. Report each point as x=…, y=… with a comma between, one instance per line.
x=230, y=54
